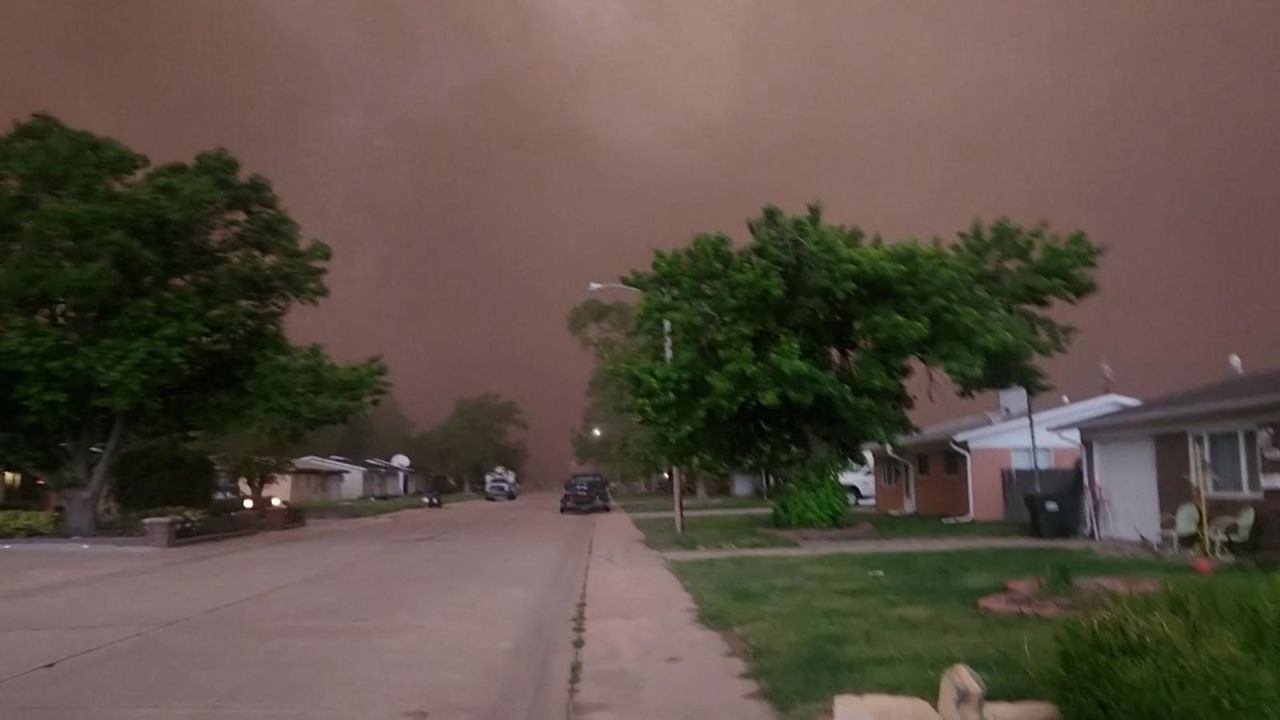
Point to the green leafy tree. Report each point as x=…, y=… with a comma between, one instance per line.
x=483, y=431
x=794, y=350
x=292, y=393
x=608, y=435
x=134, y=300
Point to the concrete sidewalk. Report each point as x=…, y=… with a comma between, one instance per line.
x=876, y=547
x=646, y=657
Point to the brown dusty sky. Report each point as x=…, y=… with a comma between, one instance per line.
x=474, y=164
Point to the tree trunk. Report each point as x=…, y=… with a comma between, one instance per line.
x=80, y=513
x=700, y=487
x=80, y=505
x=466, y=485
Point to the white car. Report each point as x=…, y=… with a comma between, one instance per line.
x=860, y=484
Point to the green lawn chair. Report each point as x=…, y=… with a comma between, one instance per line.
x=1180, y=529
x=1240, y=536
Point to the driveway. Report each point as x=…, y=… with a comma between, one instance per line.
x=459, y=613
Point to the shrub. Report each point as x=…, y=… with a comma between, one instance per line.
x=1200, y=652
x=26, y=523
x=163, y=475
x=811, y=499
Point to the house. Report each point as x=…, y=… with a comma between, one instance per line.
x=957, y=468
x=305, y=484
x=1139, y=461
x=409, y=480
x=368, y=478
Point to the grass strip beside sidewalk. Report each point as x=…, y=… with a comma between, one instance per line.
x=744, y=531
x=815, y=627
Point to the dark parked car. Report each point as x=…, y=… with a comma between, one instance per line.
x=585, y=492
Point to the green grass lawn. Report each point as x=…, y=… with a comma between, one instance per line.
x=819, y=626
x=709, y=532
x=662, y=503
x=890, y=526
x=742, y=531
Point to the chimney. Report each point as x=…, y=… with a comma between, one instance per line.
x=1013, y=401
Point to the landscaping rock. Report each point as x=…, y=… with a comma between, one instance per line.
x=1025, y=596
x=961, y=694
x=882, y=707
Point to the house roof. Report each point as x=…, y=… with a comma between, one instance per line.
x=1242, y=394
x=986, y=425
x=1053, y=418
x=944, y=430
x=331, y=461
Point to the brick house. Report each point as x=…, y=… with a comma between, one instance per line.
x=956, y=468
x=1139, y=461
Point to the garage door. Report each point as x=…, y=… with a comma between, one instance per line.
x=1126, y=473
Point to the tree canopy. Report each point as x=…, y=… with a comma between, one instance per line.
x=798, y=345
x=481, y=432
x=136, y=298
x=291, y=394
x=621, y=446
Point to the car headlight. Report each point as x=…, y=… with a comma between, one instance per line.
x=277, y=502
x=247, y=503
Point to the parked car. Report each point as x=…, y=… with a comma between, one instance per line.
x=585, y=492
x=859, y=484
x=501, y=483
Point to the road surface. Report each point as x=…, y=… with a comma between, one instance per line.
x=424, y=615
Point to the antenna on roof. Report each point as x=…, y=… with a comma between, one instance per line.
x=1237, y=365
x=1106, y=377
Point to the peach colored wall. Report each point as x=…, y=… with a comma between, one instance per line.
x=1065, y=458
x=988, y=487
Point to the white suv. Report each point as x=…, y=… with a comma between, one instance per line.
x=860, y=484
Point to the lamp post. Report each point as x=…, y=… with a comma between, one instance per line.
x=677, y=499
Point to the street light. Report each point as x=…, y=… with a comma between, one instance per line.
x=677, y=500
x=596, y=432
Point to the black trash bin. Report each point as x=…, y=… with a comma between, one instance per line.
x=1053, y=515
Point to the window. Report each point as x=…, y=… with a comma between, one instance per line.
x=951, y=462
x=922, y=464
x=1022, y=458
x=1230, y=459
x=888, y=477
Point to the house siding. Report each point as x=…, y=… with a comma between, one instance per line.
x=1173, y=476
x=937, y=493
x=988, y=483
x=1065, y=458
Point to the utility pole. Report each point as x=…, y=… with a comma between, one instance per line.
x=1035, y=460
x=677, y=497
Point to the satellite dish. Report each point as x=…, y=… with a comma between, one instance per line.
x=400, y=460
x=1237, y=365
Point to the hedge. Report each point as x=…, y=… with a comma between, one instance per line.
x=26, y=523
